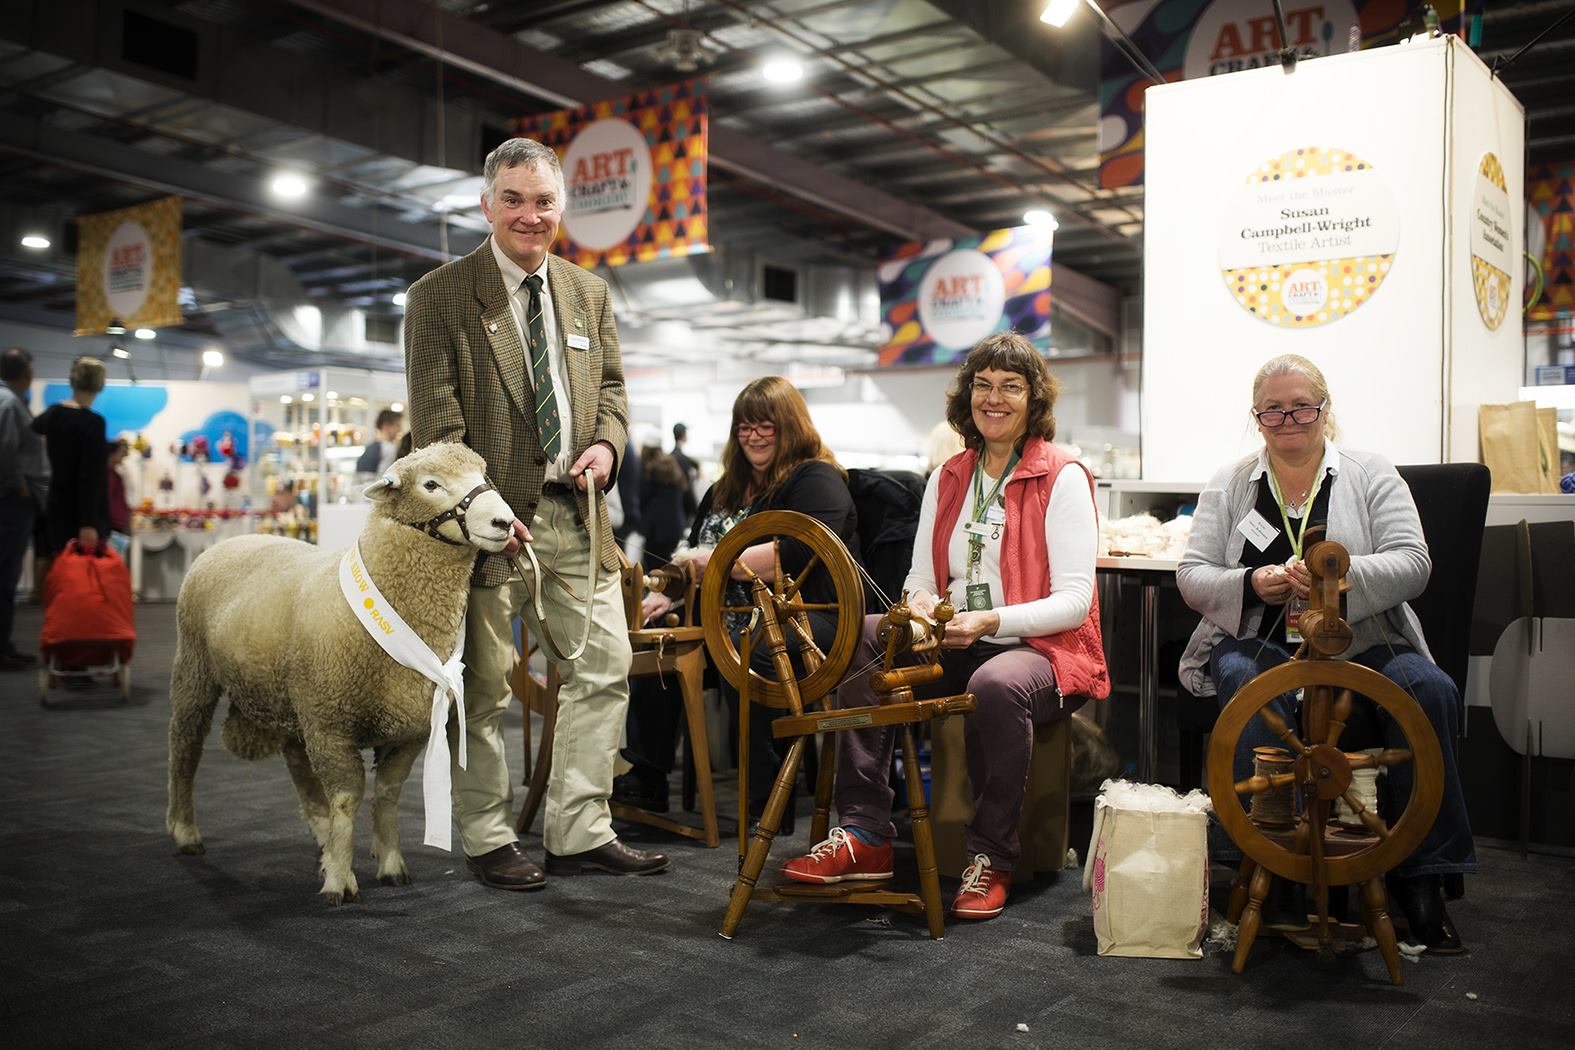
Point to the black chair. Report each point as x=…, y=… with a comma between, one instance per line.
x=1451, y=499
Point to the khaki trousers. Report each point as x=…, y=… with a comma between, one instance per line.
x=592, y=700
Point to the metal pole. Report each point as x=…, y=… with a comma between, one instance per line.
x=1126, y=46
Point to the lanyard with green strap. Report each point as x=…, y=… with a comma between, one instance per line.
x=1279, y=501
x=981, y=502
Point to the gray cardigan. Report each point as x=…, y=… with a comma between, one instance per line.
x=1371, y=513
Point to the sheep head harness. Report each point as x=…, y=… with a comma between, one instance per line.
x=433, y=525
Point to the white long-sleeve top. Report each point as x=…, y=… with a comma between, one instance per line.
x=1071, y=539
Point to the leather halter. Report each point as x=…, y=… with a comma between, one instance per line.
x=456, y=514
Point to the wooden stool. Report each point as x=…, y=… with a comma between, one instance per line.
x=1043, y=830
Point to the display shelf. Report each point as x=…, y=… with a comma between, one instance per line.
x=309, y=428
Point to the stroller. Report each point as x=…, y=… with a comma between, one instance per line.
x=89, y=628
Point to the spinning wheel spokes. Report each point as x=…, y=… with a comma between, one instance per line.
x=1257, y=785
x=1271, y=718
x=834, y=587
x=1370, y=820
x=1385, y=759
x=1342, y=712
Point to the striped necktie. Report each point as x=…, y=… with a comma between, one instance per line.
x=549, y=427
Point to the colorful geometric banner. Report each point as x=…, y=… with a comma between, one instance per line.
x=1550, y=236
x=939, y=298
x=128, y=267
x=1186, y=39
x=635, y=170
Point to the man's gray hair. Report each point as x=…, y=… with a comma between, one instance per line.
x=517, y=153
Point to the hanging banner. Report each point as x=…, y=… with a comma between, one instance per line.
x=1186, y=39
x=939, y=298
x=1490, y=258
x=128, y=267
x=1550, y=239
x=635, y=172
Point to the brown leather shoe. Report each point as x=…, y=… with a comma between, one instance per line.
x=507, y=868
x=614, y=858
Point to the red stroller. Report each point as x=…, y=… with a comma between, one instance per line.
x=89, y=628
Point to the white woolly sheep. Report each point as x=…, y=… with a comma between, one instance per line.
x=262, y=620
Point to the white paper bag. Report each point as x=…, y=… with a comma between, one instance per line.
x=1148, y=871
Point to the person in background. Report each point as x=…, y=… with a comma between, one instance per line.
x=625, y=511
x=690, y=468
x=1007, y=530
x=119, y=509
x=24, y=480
x=774, y=459
x=384, y=448
x=1243, y=573
x=663, y=492
x=78, y=504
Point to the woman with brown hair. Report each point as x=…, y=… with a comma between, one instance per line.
x=1007, y=530
x=773, y=460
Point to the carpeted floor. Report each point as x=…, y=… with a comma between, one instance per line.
x=112, y=939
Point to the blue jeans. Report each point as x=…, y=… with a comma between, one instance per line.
x=1448, y=847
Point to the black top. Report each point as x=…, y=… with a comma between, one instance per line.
x=1279, y=551
x=814, y=488
x=78, y=464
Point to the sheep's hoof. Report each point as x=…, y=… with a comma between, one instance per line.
x=193, y=849
x=398, y=878
x=333, y=899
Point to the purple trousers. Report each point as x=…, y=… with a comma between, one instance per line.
x=1015, y=690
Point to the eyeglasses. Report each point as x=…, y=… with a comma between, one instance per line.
x=1277, y=417
x=1011, y=390
x=764, y=430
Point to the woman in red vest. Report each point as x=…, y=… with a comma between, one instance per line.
x=1011, y=537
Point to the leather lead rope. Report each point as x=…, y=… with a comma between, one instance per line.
x=548, y=642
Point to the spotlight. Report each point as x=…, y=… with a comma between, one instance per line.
x=289, y=185
x=782, y=70
x=308, y=397
x=399, y=298
x=120, y=352
x=146, y=333
x=1039, y=218
x=396, y=407
x=212, y=359
x=286, y=399
x=114, y=327
x=36, y=241
x=1056, y=12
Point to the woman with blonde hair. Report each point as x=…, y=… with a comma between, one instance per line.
x=1243, y=574
x=74, y=438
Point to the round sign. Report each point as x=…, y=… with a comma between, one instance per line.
x=1308, y=238
x=607, y=170
x=1232, y=35
x=1490, y=242
x=128, y=269
x=961, y=298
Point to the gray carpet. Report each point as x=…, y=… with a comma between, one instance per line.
x=112, y=939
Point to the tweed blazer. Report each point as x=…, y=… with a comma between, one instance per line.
x=466, y=371
x=1370, y=512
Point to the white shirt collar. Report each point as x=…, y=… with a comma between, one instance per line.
x=513, y=273
x=1331, y=461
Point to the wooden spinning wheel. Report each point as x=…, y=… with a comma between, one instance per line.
x=1310, y=845
x=827, y=555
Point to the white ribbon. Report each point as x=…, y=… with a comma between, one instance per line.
x=391, y=632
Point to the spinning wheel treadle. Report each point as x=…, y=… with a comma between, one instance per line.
x=827, y=556
x=1315, y=849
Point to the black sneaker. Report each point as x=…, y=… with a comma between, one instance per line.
x=646, y=790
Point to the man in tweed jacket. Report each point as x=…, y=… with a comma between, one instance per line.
x=467, y=328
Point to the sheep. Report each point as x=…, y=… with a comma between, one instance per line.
x=262, y=620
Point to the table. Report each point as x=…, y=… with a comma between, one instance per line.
x=1151, y=573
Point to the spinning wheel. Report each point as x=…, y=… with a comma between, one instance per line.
x=1308, y=843
x=779, y=620
x=827, y=556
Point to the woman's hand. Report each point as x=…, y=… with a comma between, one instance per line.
x=923, y=604
x=1300, y=579
x=87, y=537
x=654, y=606
x=968, y=627
x=1272, y=583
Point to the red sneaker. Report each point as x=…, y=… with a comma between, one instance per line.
x=841, y=856
x=982, y=894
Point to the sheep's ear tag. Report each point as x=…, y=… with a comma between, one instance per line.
x=381, y=489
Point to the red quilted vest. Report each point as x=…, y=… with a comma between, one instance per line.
x=1076, y=655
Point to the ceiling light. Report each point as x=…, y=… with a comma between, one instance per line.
x=396, y=407
x=114, y=327
x=399, y=298
x=1040, y=219
x=120, y=352
x=782, y=70
x=285, y=399
x=333, y=395
x=36, y=241
x=289, y=185
x=308, y=397
x=1056, y=12
x=146, y=333
x=212, y=359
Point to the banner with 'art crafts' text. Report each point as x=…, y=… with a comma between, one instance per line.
x=939, y=298
x=128, y=267
x=1187, y=39
x=635, y=172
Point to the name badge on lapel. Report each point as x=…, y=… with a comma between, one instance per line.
x=578, y=341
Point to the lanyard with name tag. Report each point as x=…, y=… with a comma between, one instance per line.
x=986, y=523
x=1295, y=606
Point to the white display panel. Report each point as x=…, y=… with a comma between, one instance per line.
x=1374, y=154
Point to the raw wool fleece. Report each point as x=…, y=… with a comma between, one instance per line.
x=261, y=619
